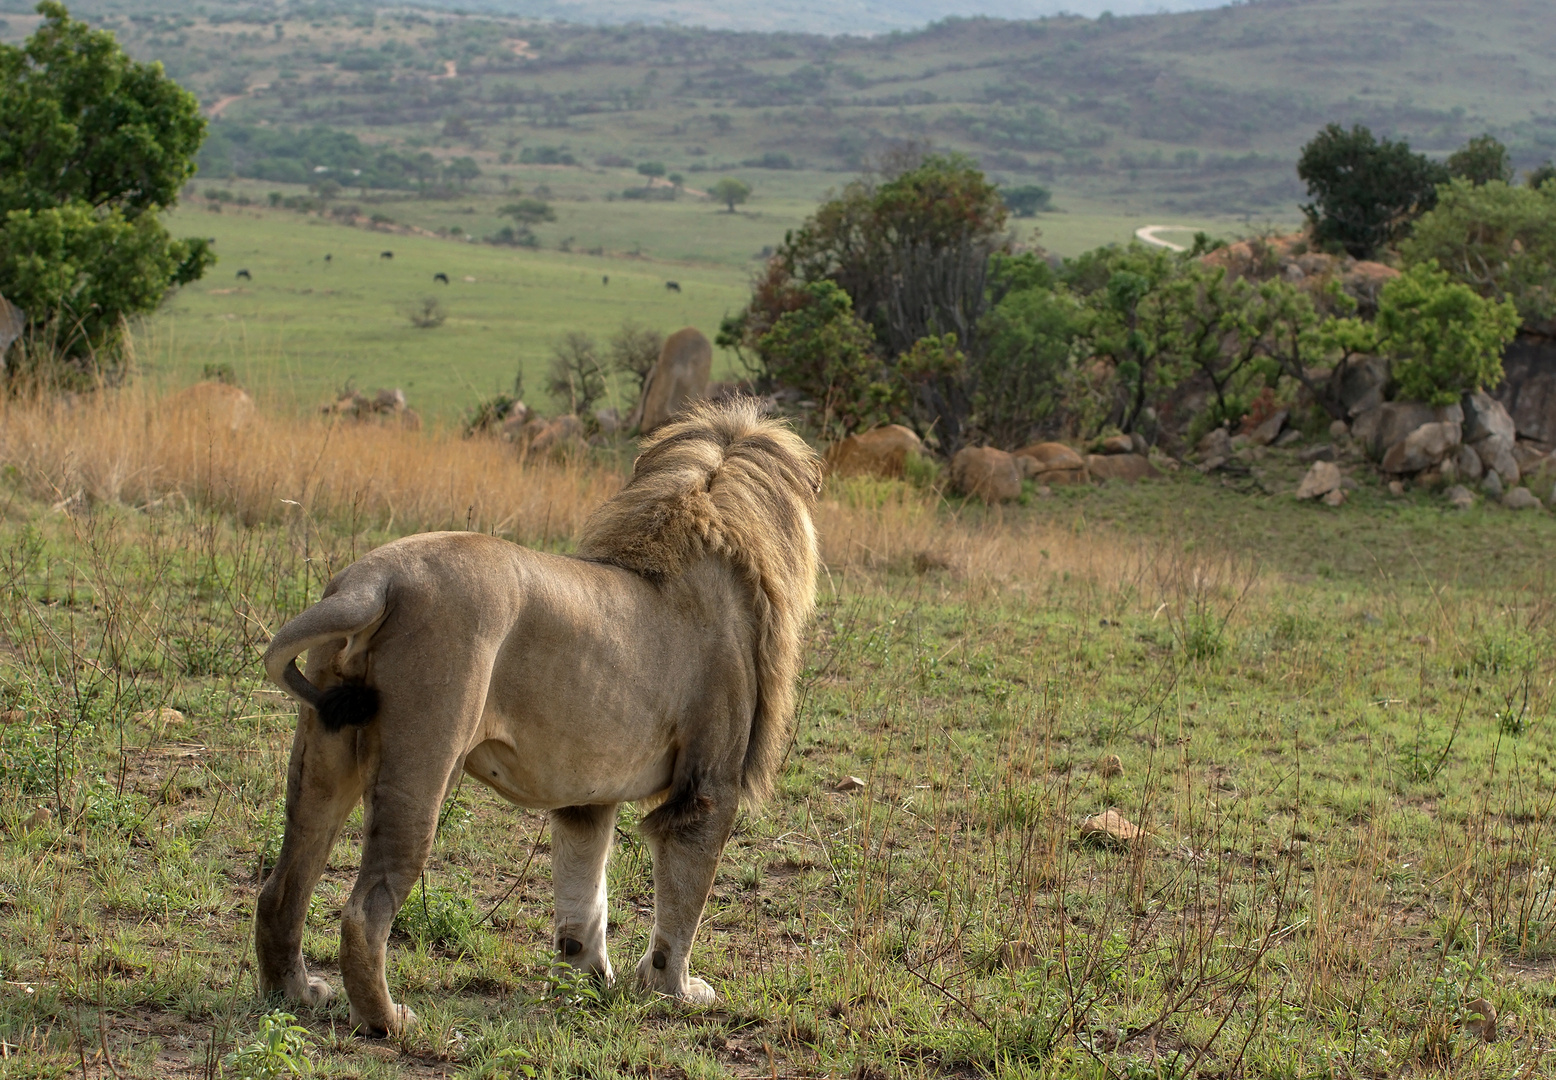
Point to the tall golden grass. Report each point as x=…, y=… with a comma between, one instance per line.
x=207, y=448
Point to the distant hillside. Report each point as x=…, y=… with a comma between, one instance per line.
x=1196, y=112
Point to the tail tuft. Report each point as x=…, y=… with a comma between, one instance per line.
x=349, y=704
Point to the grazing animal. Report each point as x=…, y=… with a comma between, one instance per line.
x=440, y=277
x=328, y=256
x=386, y=254
x=673, y=286
x=605, y=279
x=244, y=275
x=657, y=666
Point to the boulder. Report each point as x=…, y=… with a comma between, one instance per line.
x=1126, y=467
x=1422, y=448
x=608, y=420
x=1362, y=384
x=987, y=473
x=1322, y=478
x=1118, y=444
x=1496, y=455
x=678, y=379
x=514, y=420
x=1111, y=826
x=1484, y=417
x=1492, y=485
x=1460, y=496
x=1052, y=455
x=880, y=452
x=1335, y=498
x=1214, y=449
x=1321, y=452
x=217, y=404
x=554, y=436
x=1528, y=389
x=1521, y=498
x=13, y=320
x=1531, y=456
x=1467, y=463
x=1266, y=432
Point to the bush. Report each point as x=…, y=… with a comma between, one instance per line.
x=1480, y=161
x=1021, y=373
x=1448, y=340
x=576, y=377
x=426, y=314
x=827, y=353
x=1498, y=239
x=1027, y=200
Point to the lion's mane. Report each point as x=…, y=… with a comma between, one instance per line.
x=722, y=480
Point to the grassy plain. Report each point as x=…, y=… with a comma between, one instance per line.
x=1333, y=726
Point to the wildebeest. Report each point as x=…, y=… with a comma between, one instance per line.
x=673, y=286
x=386, y=254
x=328, y=256
x=440, y=276
x=605, y=279
x=244, y=275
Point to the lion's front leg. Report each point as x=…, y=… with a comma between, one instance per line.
x=580, y=847
x=686, y=836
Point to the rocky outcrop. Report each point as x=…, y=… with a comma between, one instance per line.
x=1288, y=258
x=384, y=407
x=880, y=452
x=986, y=473
x=678, y=379
x=555, y=436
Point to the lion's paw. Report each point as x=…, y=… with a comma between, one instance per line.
x=401, y=1020
x=317, y=992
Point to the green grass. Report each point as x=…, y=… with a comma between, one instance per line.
x=1333, y=725
x=301, y=328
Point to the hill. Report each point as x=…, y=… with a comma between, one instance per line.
x=1194, y=112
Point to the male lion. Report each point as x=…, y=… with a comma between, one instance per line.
x=657, y=666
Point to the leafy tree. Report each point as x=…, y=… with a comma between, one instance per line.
x=651, y=169
x=1498, y=239
x=92, y=146
x=1022, y=371
x=1538, y=178
x=1480, y=161
x=1447, y=339
x=634, y=350
x=528, y=212
x=731, y=192
x=1365, y=192
x=1027, y=200
x=462, y=170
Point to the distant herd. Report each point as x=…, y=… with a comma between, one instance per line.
x=440, y=278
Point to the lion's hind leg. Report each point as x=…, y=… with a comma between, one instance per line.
x=580, y=847
x=686, y=836
x=323, y=782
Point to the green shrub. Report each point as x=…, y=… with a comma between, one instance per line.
x=1446, y=338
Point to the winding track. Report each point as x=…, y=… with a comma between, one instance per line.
x=1147, y=233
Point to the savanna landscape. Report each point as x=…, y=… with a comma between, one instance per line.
x=1169, y=777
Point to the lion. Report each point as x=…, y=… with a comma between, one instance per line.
x=657, y=666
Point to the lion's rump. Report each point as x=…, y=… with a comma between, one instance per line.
x=722, y=481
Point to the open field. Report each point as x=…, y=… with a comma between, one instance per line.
x=302, y=328
x=1333, y=726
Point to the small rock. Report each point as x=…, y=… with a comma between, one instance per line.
x=1118, y=444
x=1269, y=430
x=1338, y=429
x=848, y=785
x=881, y=452
x=1522, y=498
x=1460, y=496
x=1335, y=497
x=1044, y=491
x=1015, y=955
x=986, y=472
x=1288, y=437
x=1321, y=479
x=1492, y=485
x=1396, y=487
x=158, y=717
x=1111, y=826
x=1422, y=448
x=1480, y=1016
x=1109, y=766
x=1321, y=452
x=40, y=817
x=1467, y=463
x=1215, y=443
x=1125, y=467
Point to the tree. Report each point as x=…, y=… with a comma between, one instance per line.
x=651, y=169
x=1027, y=200
x=576, y=377
x=1539, y=177
x=1480, y=161
x=634, y=350
x=1365, y=192
x=462, y=170
x=731, y=192
x=827, y=353
x=92, y=146
x=1021, y=372
x=528, y=212
x=1498, y=239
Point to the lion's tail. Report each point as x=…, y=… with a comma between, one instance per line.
x=351, y=614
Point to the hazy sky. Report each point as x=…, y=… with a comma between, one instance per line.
x=819, y=16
